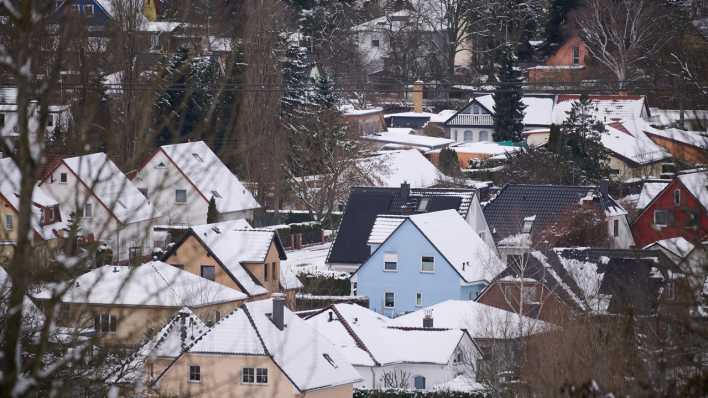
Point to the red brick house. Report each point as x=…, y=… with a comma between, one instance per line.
x=680, y=209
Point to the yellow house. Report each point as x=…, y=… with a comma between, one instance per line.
x=231, y=254
x=259, y=350
x=124, y=304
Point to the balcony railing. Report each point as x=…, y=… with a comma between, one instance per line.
x=467, y=119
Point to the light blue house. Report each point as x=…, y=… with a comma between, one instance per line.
x=421, y=260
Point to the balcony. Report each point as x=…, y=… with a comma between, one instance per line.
x=468, y=119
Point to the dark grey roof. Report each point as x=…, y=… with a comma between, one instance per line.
x=506, y=212
x=365, y=204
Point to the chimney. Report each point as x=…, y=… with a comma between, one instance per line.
x=405, y=191
x=278, y=316
x=428, y=320
x=418, y=96
x=604, y=186
x=331, y=316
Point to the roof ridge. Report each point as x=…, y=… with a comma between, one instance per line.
x=179, y=297
x=350, y=331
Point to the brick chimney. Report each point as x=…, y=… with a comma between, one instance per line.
x=405, y=191
x=278, y=315
x=418, y=96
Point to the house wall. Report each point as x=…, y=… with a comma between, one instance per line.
x=73, y=195
x=687, y=153
x=552, y=309
x=624, y=238
x=475, y=218
x=364, y=124
x=624, y=171
x=564, y=54
x=6, y=209
x=257, y=269
x=646, y=232
x=410, y=245
x=161, y=184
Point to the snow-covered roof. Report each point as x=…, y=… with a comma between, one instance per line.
x=670, y=117
x=111, y=187
x=678, y=246
x=605, y=108
x=627, y=140
x=487, y=148
x=232, y=246
x=697, y=183
x=480, y=320
x=538, y=112
x=443, y=116
x=413, y=140
x=210, y=176
x=460, y=383
x=392, y=168
x=588, y=279
x=170, y=342
x=459, y=244
x=383, y=226
x=288, y=279
x=160, y=26
x=411, y=114
x=366, y=339
x=10, y=179
x=298, y=349
x=649, y=191
x=349, y=110
x=151, y=284
x=693, y=138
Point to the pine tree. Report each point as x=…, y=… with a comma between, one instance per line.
x=581, y=141
x=212, y=213
x=448, y=163
x=508, y=108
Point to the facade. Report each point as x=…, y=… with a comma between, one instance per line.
x=123, y=304
x=680, y=209
x=243, y=259
x=110, y=209
x=426, y=259
x=180, y=180
x=690, y=147
x=566, y=64
x=259, y=350
x=420, y=357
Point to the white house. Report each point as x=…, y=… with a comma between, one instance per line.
x=413, y=358
x=110, y=208
x=180, y=180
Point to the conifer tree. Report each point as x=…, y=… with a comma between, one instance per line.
x=581, y=141
x=212, y=213
x=508, y=108
x=448, y=163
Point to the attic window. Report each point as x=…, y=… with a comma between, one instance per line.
x=330, y=360
x=196, y=156
x=215, y=194
x=528, y=224
x=423, y=204
x=161, y=165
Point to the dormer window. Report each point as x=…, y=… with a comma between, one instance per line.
x=528, y=224
x=423, y=204
x=161, y=165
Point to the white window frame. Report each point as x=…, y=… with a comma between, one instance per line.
x=418, y=299
x=421, y=265
x=390, y=258
x=575, y=55
x=9, y=222
x=677, y=197
x=87, y=211
x=264, y=372
x=393, y=295
x=666, y=213
x=464, y=136
x=185, y=196
x=198, y=372
x=243, y=375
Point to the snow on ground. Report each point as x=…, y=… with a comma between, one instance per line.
x=311, y=260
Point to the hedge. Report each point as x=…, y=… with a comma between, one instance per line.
x=416, y=394
x=323, y=285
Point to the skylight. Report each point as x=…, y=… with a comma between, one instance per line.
x=423, y=204
x=330, y=360
x=215, y=194
x=196, y=156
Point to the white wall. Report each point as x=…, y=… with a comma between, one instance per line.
x=458, y=133
x=475, y=218
x=624, y=239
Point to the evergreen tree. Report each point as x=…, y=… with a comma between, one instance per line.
x=557, y=14
x=212, y=213
x=554, y=139
x=581, y=141
x=448, y=163
x=508, y=108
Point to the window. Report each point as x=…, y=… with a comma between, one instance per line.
x=419, y=299
x=208, y=272
x=105, y=323
x=389, y=300
x=135, y=255
x=615, y=228
x=475, y=110
x=248, y=375
x=419, y=382
x=265, y=272
x=354, y=286
x=390, y=262
x=661, y=218
x=469, y=136
x=88, y=9
x=423, y=204
x=484, y=135
x=374, y=43
x=669, y=291
x=180, y=196
x=427, y=264
x=529, y=294
x=677, y=197
x=50, y=120
x=63, y=178
x=161, y=165
x=9, y=222
x=261, y=376
x=576, y=55
x=154, y=41
x=195, y=374
x=87, y=211
x=75, y=8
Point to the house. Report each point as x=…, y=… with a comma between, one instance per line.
x=649, y=191
x=690, y=147
x=419, y=357
x=363, y=121
x=365, y=204
x=244, y=259
x=393, y=168
x=469, y=153
x=426, y=259
x=521, y=213
x=565, y=64
x=475, y=121
x=107, y=205
x=606, y=108
x=180, y=180
x=124, y=303
x=263, y=350
x=47, y=222
x=393, y=138
x=680, y=209
x=552, y=285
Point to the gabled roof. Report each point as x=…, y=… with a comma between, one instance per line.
x=298, y=349
x=367, y=338
x=102, y=178
x=406, y=139
x=210, y=176
x=696, y=182
x=153, y=284
x=383, y=227
x=232, y=245
x=506, y=212
x=366, y=203
x=679, y=246
x=606, y=108
x=696, y=139
x=392, y=168
x=538, y=112
x=649, y=191
x=627, y=140
x=480, y=320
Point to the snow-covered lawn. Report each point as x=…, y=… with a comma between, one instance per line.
x=311, y=260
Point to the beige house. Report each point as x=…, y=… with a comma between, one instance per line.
x=232, y=254
x=259, y=350
x=125, y=304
